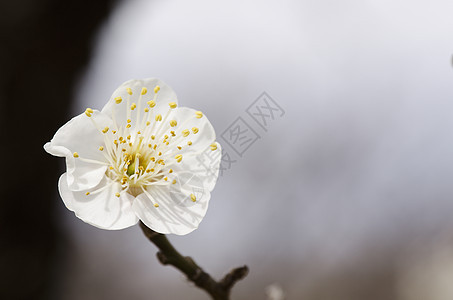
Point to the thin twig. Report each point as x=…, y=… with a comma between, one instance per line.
x=168, y=255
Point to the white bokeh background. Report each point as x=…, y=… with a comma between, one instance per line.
x=356, y=175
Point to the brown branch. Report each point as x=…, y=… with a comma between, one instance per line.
x=168, y=255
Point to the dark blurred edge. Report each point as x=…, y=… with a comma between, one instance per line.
x=45, y=46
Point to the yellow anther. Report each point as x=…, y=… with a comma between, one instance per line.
x=156, y=205
x=129, y=120
x=101, y=148
x=156, y=89
x=133, y=106
x=75, y=154
x=153, y=159
x=149, y=145
x=155, y=146
x=124, y=150
x=194, y=130
x=128, y=126
x=148, y=170
x=185, y=132
x=179, y=147
x=146, y=109
x=130, y=144
x=192, y=196
x=117, y=194
x=105, y=130
x=174, y=181
x=129, y=137
x=165, y=137
x=213, y=146
x=120, y=138
x=88, y=112
x=152, y=169
x=173, y=123
x=138, y=132
x=172, y=104
x=165, y=178
x=118, y=100
x=87, y=193
x=111, y=168
x=147, y=123
x=144, y=90
x=151, y=103
x=158, y=117
x=114, y=131
x=141, y=168
x=153, y=137
x=160, y=153
x=198, y=114
x=129, y=91
x=170, y=171
x=130, y=157
x=115, y=142
x=173, y=133
x=167, y=143
x=189, y=143
x=178, y=157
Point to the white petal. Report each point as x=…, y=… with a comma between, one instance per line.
x=103, y=209
x=187, y=120
x=163, y=98
x=176, y=213
x=80, y=135
x=204, y=165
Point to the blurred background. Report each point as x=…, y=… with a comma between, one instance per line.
x=346, y=193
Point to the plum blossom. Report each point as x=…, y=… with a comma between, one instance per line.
x=138, y=159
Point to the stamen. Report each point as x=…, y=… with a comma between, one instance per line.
x=172, y=104
x=105, y=130
x=173, y=123
x=151, y=103
x=118, y=100
x=185, y=132
x=144, y=90
x=88, y=112
x=198, y=114
x=192, y=196
x=129, y=91
x=213, y=146
x=194, y=130
x=101, y=148
x=158, y=117
x=156, y=89
x=133, y=106
x=189, y=143
x=75, y=154
x=178, y=157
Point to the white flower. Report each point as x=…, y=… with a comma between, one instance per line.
x=139, y=158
